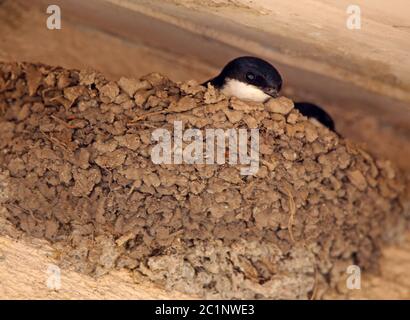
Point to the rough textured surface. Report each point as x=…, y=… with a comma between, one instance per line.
x=76, y=170
x=24, y=265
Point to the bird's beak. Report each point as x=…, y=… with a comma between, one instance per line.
x=272, y=92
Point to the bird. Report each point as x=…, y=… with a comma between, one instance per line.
x=253, y=79
x=311, y=110
x=248, y=78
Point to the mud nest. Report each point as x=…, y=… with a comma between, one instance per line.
x=76, y=169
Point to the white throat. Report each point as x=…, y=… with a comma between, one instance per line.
x=243, y=91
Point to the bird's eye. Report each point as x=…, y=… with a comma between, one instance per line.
x=250, y=76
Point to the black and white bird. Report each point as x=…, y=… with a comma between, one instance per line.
x=254, y=79
x=248, y=78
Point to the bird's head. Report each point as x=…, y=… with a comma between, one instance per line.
x=250, y=78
